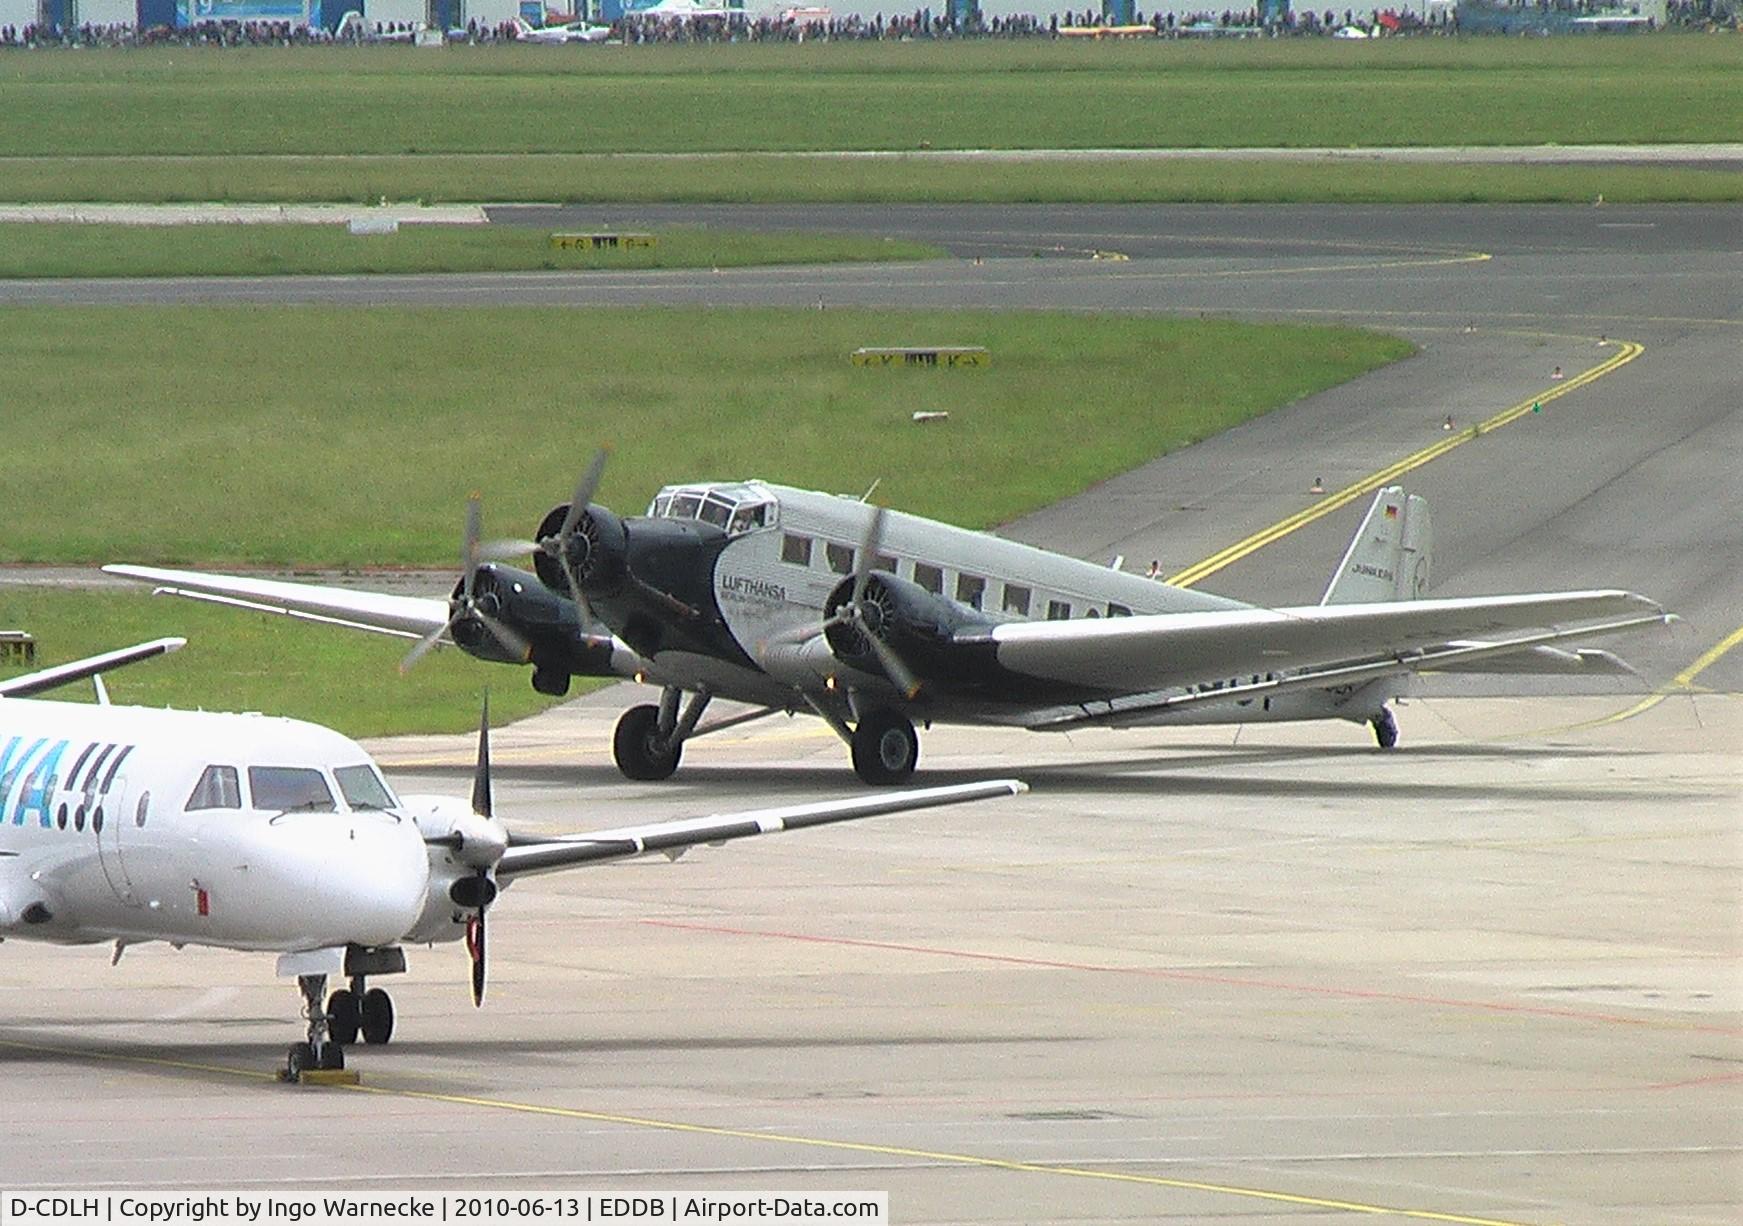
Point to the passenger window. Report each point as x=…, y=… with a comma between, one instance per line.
x=1017, y=599
x=363, y=788
x=883, y=561
x=970, y=590
x=218, y=788
x=285, y=788
x=1118, y=610
x=929, y=577
x=840, y=557
x=1058, y=610
x=795, y=549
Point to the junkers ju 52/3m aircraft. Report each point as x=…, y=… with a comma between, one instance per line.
x=130, y=825
x=792, y=600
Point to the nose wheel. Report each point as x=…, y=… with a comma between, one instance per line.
x=319, y=1051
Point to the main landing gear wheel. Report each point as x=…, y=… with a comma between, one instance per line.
x=1385, y=728
x=885, y=748
x=641, y=752
x=376, y=1020
x=344, y=1016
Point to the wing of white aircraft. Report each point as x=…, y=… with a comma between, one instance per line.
x=675, y=837
x=31, y=684
x=408, y=617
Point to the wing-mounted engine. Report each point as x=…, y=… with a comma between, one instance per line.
x=922, y=639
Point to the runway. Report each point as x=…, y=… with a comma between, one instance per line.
x=1193, y=976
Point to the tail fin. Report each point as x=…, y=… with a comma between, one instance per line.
x=1388, y=557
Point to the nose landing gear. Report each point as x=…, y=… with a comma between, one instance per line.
x=319, y=1052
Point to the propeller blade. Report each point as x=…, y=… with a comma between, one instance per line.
x=422, y=647
x=503, y=550
x=481, y=797
x=868, y=552
x=469, y=548
x=583, y=494
x=475, y=947
x=505, y=634
x=898, y=672
x=583, y=610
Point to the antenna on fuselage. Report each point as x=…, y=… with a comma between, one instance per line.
x=872, y=489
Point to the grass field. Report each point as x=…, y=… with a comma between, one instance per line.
x=237, y=661
x=517, y=123
x=333, y=436
x=31, y=249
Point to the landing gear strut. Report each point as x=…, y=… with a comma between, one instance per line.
x=650, y=739
x=319, y=1050
x=1385, y=728
x=884, y=747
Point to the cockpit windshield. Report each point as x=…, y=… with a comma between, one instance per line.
x=738, y=507
x=290, y=788
x=363, y=788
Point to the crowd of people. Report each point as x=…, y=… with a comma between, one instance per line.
x=921, y=24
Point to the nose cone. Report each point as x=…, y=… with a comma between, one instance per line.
x=342, y=878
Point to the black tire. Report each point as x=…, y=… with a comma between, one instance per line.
x=300, y=1061
x=377, y=1017
x=332, y=1056
x=637, y=748
x=344, y=1016
x=885, y=748
x=1385, y=729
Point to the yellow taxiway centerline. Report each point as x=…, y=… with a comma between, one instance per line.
x=1627, y=351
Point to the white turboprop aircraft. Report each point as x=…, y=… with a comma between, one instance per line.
x=573, y=32
x=792, y=600
x=246, y=832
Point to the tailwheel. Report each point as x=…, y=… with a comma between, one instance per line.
x=376, y=1020
x=641, y=752
x=885, y=748
x=1385, y=728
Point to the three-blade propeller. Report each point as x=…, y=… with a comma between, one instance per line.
x=467, y=605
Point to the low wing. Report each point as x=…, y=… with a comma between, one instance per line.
x=31, y=684
x=410, y=617
x=672, y=838
x=1153, y=652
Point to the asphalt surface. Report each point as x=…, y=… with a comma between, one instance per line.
x=1195, y=975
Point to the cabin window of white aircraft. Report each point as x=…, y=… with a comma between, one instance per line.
x=929, y=577
x=363, y=788
x=970, y=590
x=840, y=557
x=1017, y=599
x=796, y=549
x=218, y=788
x=1058, y=610
x=287, y=788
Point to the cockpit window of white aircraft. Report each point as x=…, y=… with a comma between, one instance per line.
x=363, y=788
x=218, y=788
x=287, y=788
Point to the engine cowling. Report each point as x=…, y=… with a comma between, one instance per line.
x=921, y=627
x=597, y=550
x=460, y=844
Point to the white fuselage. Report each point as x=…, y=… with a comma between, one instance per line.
x=130, y=824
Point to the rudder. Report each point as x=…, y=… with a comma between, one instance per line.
x=1388, y=558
